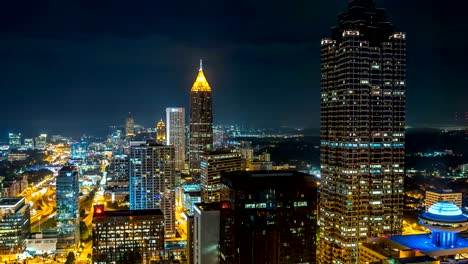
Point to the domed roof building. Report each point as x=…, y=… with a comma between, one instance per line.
x=445, y=220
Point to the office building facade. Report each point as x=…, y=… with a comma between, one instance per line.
x=152, y=180
x=175, y=134
x=363, y=82
x=14, y=140
x=118, y=233
x=67, y=201
x=201, y=121
x=213, y=164
x=119, y=168
x=268, y=217
x=434, y=196
x=78, y=150
x=41, y=142
x=29, y=143
x=15, y=225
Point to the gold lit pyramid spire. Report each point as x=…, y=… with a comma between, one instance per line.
x=201, y=84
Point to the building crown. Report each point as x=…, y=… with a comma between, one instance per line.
x=201, y=84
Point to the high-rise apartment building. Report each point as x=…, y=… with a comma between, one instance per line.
x=175, y=134
x=213, y=164
x=41, y=142
x=152, y=180
x=29, y=143
x=119, y=169
x=116, y=234
x=268, y=217
x=129, y=126
x=201, y=121
x=363, y=81
x=161, y=132
x=67, y=193
x=447, y=195
x=15, y=225
x=14, y=140
x=78, y=150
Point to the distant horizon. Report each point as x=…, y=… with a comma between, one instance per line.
x=311, y=131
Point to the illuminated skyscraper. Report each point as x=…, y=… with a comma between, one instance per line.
x=29, y=143
x=152, y=180
x=41, y=142
x=14, y=140
x=15, y=225
x=67, y=209
x=213, y=164
x=363, y=85
x=201, y=120
x=78, y=150
x=161, y=132
x=175, y=134
x=130, y=126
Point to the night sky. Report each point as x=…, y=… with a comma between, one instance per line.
x=79, y=66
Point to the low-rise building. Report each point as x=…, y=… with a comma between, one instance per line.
x=17, y=156
x=446, y=195
x=442, y=245
x=118, y=233
x=41, y=243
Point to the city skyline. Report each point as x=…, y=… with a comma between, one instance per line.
x=155, y=55
x=119, y=149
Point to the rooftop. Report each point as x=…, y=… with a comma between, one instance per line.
x=424, y=244
x=261, y=180
x=149, y=212
x=8, y=202
x=208, y=206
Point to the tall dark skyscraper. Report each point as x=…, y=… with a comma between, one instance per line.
x=363, y=83
x=201, y=120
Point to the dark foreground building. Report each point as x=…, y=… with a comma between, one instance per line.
x=268, y=217
x=117, y=235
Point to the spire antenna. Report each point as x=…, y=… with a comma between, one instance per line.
x=201, y=65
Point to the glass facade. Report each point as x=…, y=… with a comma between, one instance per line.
x=175, y=134
x=152, y=180
x=201, y=121
x=14, y=225
x=67, y=192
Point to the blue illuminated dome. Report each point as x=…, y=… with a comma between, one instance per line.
x=445, y=220
x=445, y=209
